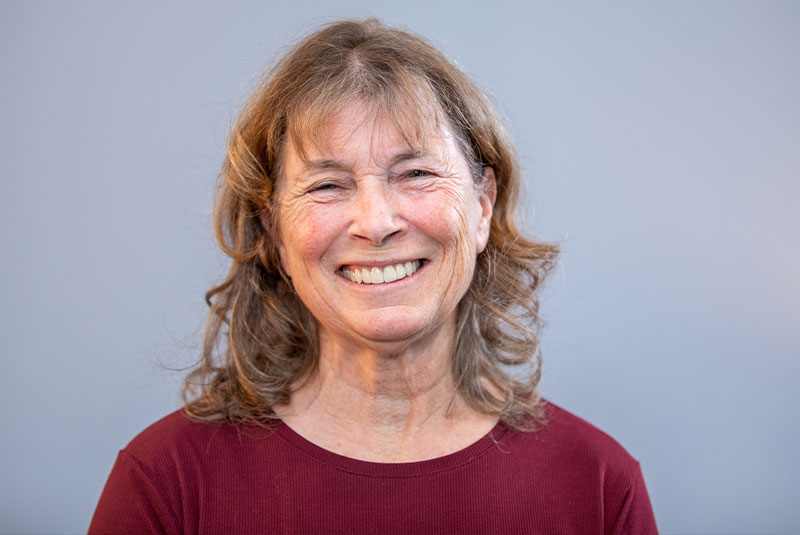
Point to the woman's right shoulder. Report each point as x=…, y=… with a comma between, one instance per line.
x=159, y=476
x=176, y=426
x=178, y=436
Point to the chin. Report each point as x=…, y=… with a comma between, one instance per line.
x=392, y=332
x=399, y=329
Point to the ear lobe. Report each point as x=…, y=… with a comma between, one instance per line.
x=284, y=264
x=487, y=197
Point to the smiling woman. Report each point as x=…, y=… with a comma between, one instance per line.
x=384, y=204
x=371, y=361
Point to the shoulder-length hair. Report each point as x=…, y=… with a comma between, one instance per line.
x=260, y=338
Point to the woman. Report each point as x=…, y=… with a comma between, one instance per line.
x=371, y=361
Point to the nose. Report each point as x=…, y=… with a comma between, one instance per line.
x=375, y=218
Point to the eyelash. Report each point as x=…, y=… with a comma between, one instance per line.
x=329, y=186
x=326, y=186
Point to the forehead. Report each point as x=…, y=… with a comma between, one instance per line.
x=357, y=130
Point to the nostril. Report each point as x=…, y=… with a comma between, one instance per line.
x=375, y=216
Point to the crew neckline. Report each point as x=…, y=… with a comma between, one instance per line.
x=408, y=469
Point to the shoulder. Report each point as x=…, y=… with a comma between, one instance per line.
x=178, y=439
x=176, y=426
x=583, y=467
x=576, y=436
x=567, y=443
x=158, y=480
x=176, y=430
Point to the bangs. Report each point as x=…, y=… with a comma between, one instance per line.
x=408, y=103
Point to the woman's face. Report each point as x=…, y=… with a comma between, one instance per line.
x=364, y=203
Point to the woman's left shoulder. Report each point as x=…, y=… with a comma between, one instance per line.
x=572, y=436
x=564, y=443
x=581, y=468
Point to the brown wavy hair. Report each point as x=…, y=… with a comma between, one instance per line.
x=260, y=338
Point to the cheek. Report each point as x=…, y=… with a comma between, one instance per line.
x=443, y=217
x=307, y=233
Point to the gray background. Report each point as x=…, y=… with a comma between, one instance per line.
x=662, y=140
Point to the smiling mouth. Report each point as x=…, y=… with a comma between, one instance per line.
x=380, y=275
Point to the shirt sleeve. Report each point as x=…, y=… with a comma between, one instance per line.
x=635, y=516
x=132, y=503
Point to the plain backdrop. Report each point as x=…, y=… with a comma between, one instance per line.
x=660, y=140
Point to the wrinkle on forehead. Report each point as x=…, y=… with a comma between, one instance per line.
x=412, y=119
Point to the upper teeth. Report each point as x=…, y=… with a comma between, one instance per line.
x=378, y=275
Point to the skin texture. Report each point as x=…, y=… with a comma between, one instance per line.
x=363, y=197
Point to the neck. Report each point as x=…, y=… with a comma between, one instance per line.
x=378, y=385
x=377, y=403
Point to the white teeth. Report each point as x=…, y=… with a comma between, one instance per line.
x=389, y=274
x=377, y=275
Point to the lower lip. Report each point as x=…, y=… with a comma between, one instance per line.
x=385, y=284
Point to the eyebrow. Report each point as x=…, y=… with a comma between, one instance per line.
x=315, y=165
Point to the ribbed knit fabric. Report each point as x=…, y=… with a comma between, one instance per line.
x=181, y=476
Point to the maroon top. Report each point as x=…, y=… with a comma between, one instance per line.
x=183, y=476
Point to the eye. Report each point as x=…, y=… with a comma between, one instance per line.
x=325, y=186
x=417, y=173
